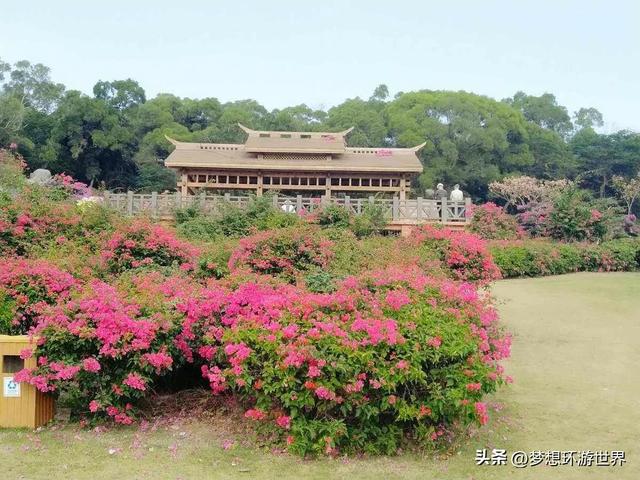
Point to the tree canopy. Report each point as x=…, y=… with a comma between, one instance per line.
x=116, y=136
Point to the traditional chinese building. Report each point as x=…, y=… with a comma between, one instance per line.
x=310, y=163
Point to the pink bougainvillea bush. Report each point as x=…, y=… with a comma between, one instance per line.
x=285, y=253
x=103, y=349
x=140, y=243
x=465, y=254
x=31, y=219
x=71, y=185
x=26, y=288
x=392, y=357
x=491, y=222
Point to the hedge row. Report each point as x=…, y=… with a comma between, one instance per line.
x=532, y=258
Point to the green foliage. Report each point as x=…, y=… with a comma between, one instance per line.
x=543, y=111
x=494, y=141
x=370, y=222
x=575, y=218
x=535, y=258
x=320, y=282
x=231, y=220
x=7, y=312
x=334, y=216
x=116, y=138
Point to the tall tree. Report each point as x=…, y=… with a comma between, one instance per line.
x=90, y=142
x=544, y=111
x=600, y=157
x=370, y=129
x=588, y=118
x=120, y=94
x=471, y=139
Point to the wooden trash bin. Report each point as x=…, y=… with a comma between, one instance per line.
x=21, y=404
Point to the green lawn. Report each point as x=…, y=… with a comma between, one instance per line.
x=575, y=355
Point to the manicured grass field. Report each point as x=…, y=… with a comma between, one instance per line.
x=575, y=360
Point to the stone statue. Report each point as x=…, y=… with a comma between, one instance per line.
x=456, y=194
x=41, y=176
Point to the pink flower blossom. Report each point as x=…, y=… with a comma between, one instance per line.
x=135, y=381
x=284, y=421
x=255, y=414
x=481, y=412
x=91, y=365
x=402, y=365
x=26, y=353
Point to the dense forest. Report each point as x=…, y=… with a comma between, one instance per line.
x=115, y=137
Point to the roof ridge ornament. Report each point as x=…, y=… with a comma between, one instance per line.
x=173, y=141
x=246, y=130
x=417, y=148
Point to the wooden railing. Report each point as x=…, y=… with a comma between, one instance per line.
x=163, y=206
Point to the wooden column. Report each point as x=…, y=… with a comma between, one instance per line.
x=260, y=185
x=184, y=190
x=327, y=190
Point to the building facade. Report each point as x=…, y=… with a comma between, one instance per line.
x=309, y=163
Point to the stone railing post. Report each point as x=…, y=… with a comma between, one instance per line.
x=419, y=208
x=467, y=207
x=395, y=208
x=444, y=211
x=154, y=204
x=298, y=203
x=129, y=202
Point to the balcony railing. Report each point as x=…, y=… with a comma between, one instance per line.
x=419, y=210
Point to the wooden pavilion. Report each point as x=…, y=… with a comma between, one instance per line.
x=314, y=163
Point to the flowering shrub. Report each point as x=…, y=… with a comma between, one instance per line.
x=386, y=358
x=141, y=243
x=12, y=167
x=332, y=215
x=26, y=288
x=464, y=254
x=31, y=218
x=102, y=350
x=523, y=190
x=573, y=218
x=70, y=185
x=491, y=222
x=284, y=253
x=534, y=218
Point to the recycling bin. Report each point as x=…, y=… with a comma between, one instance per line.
x=21, y=404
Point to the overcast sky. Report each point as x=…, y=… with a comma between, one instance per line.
x=284, y=53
